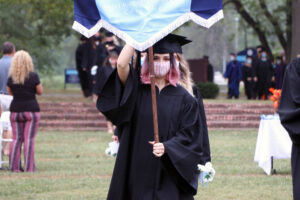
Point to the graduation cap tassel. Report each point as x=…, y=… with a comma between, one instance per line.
x=153, y=95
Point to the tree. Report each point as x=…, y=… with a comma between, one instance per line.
x=36, y=26
x=268, y=19
x=296, y=29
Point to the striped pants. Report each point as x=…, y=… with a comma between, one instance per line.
x=24, y=128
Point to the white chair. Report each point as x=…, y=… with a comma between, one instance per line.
x=2, y=140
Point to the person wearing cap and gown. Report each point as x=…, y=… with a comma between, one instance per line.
x=289, y=112
x=79, y=56
x=144, y=170
x=234, y=75
x=265, y=75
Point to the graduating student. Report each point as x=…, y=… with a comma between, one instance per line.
x=248, y=77
x=86, y=58
x=234, y=75
x=144, y=170
x=289, y=112
x=279, y=72
x=101, y=76
x=255, y=64
x=265, y=74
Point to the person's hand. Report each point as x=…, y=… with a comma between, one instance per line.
x=273, y=78
x=249, y=79
x=255, y=79
x=115, y=138
x=158, y=149
x=84, y=69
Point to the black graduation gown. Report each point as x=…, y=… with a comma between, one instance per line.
x=138, y=174
x=289, y=112
x=101, y=77
x=203, y=129
x=89, y=59
x=264, y=73
x=78, y=58
x=101, y=55
x=247, y=72
x=210, y=73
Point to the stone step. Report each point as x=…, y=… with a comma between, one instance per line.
x=44, y=105
x=72, y=129
x=72, y=123
x=215, y=117
x=72, y=116
x=100, y=117
x=233, y=124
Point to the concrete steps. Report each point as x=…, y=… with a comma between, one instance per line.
x=85, y=116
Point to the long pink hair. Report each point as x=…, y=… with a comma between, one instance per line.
x=172, y=77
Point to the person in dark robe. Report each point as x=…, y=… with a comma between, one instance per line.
x=265, y=74
x=187, y=82
x=111, y=43
x=144, y=169
x=101, y=76
x=100, y=49
x=279, y=72
x=86, y=58
x=255, y=64
x=79, y=59
x=210, y=69
x=248, y=76
x=289, y=112
x=234, y=75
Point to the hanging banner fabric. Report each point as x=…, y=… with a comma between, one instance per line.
x=142, y=23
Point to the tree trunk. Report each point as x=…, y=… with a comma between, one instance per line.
x=295, y=29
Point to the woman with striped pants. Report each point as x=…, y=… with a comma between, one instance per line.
x=23, y=84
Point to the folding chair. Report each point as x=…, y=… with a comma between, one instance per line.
x=2, y=140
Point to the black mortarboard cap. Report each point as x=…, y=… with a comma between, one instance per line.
x=170, y=44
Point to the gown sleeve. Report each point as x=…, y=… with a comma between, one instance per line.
x=289, y=107
x=117, y=102
x=184, y=149
x=203, y=131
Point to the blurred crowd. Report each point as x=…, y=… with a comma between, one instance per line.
x=96, y=56
x=259, y=73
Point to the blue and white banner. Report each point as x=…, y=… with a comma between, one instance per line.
x=141, y=23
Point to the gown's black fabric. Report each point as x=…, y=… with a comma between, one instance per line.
x=264, y=73
x=86, y=54
x=101, y=77
x=247, y=72
x=289, y=112
x=203, y=129
x=138, y=174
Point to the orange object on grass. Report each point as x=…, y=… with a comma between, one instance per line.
x=275, y=97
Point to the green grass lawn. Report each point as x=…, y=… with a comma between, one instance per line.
x=73, y=166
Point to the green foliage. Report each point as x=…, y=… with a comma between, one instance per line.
x=208, y=90
x=36, y=26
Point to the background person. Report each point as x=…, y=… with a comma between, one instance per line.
x=279, y=72
x=23, y=83
x=233, y=74
x=8, y=50
x=248, y=77
x=265, y=74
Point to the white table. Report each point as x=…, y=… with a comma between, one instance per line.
x=272, y=141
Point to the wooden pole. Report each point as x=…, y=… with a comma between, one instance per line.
x=153, y=94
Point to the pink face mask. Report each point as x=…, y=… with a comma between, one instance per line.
x=161, y=69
